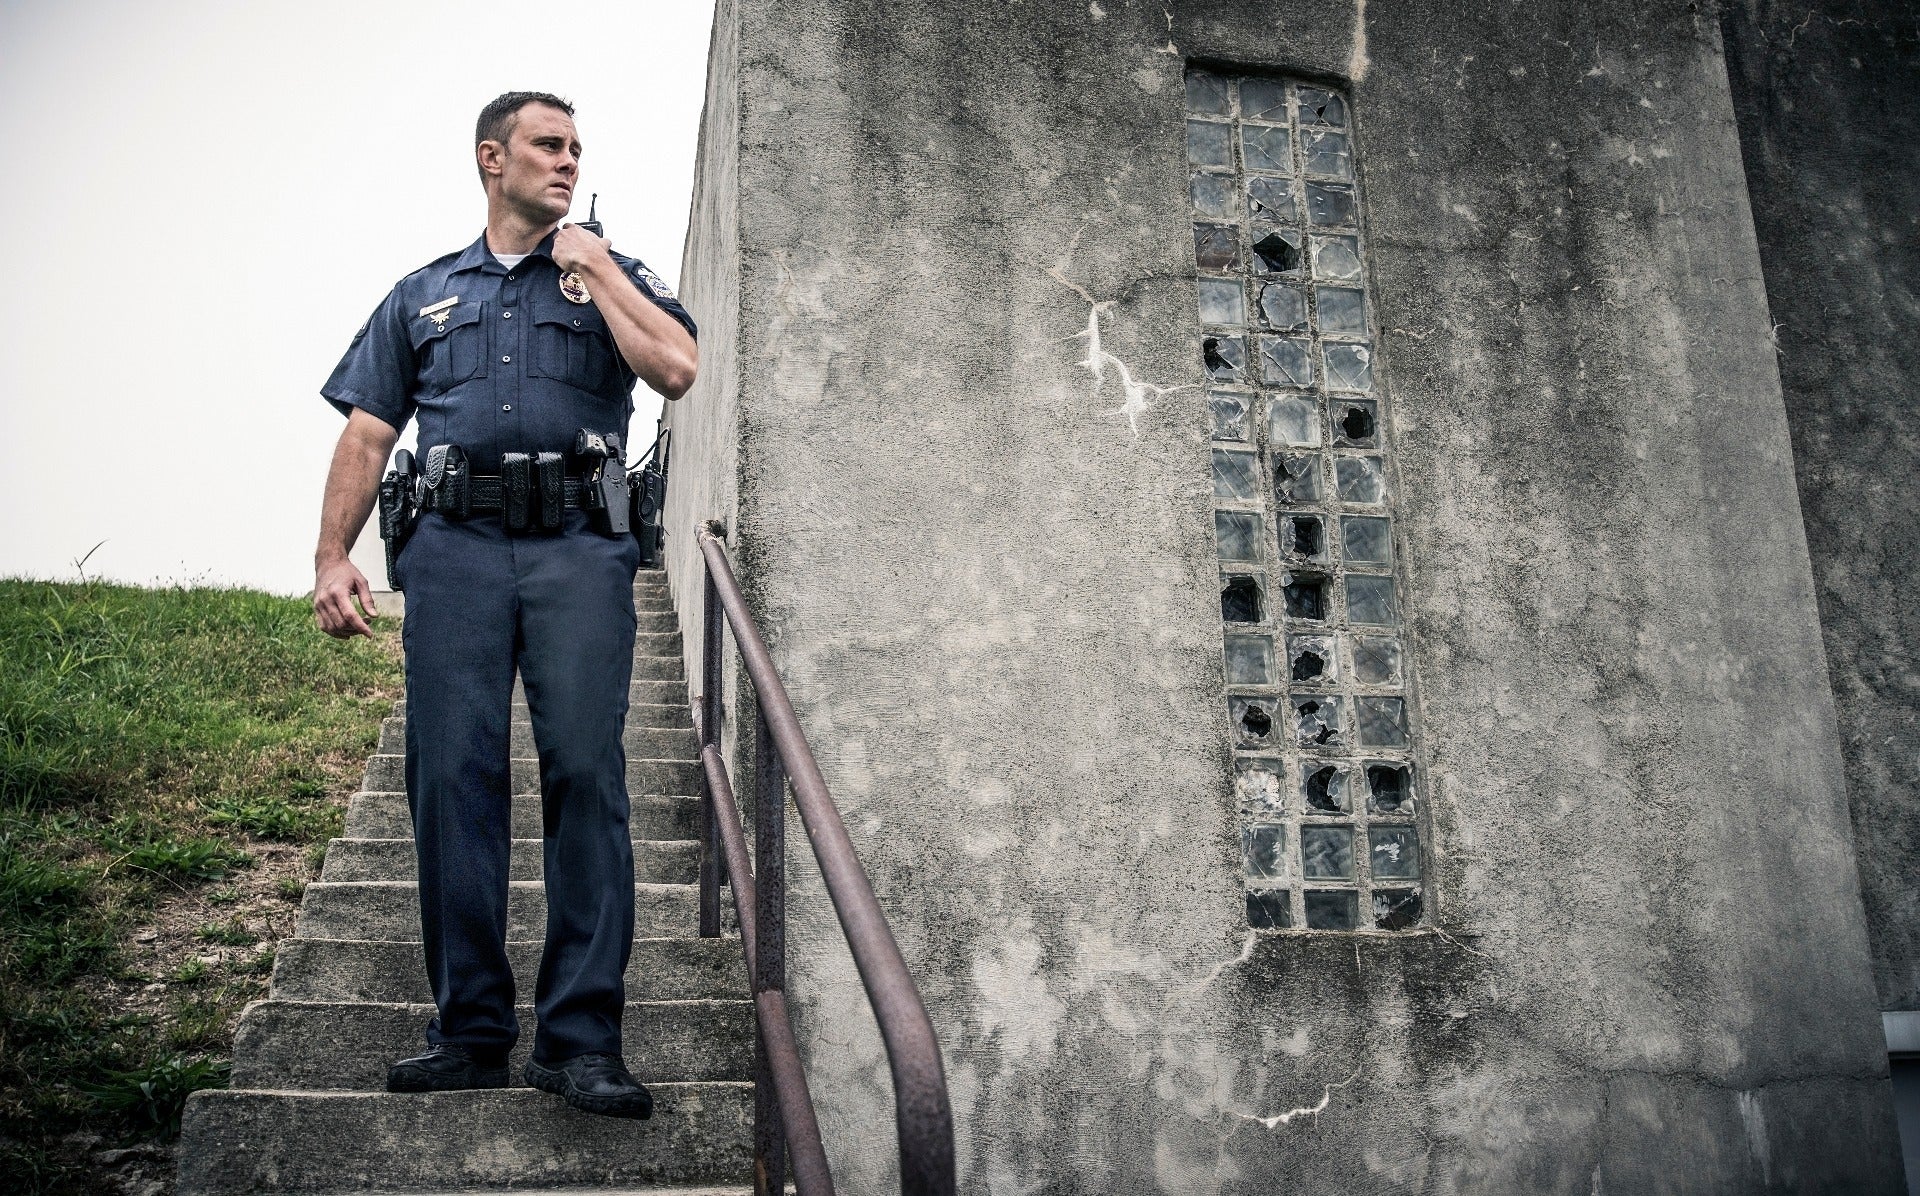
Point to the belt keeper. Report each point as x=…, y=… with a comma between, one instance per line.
x=550, y=469
x=516, y=482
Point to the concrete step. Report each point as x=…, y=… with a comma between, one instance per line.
x=642, y=741
x=657, y=620
x=673, y=861
x=347, y=1046
x=383, y=815
x=388, y=774
x=389, y=911
x=240, y=1142
x=660, y=969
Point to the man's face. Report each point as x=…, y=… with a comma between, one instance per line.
x=541, y=164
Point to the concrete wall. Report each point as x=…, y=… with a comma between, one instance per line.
x=991, y=586
x=1829, y=107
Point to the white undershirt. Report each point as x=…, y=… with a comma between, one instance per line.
x=510, y=260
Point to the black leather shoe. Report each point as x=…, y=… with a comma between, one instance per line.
x=593, y=1084
x=445, y=1068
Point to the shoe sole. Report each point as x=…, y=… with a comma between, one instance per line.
x=639, y=1107
x=418, y=1079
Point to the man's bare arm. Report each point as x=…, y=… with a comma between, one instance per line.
x=654, y=344
x=353, y=481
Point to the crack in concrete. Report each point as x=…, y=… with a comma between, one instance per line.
x=1134, y=392
x=1313, y=1110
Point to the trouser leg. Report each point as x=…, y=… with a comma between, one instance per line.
x=576, y=661
x=459, y=633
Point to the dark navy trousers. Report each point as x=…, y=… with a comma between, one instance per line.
x=558, y=607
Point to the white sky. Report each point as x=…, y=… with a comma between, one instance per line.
x=205, y=201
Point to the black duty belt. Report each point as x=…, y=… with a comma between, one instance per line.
x=488, y=495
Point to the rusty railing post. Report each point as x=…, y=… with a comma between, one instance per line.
x=770, y=946
x=712, y=642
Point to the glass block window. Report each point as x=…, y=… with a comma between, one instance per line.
x=1316, y=698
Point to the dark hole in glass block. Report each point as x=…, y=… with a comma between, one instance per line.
x=1306, y=535
x=1356, y=424
x=1326, y=791
x=1316, y=721
x=1276, y=253
x=1321, y=668
x=1257, y=721
x=1321, y=107
x=1389, y=788
x=1269, y=909
x=1308, y=666
x=1306, y=596
x=1225, y=357
x=1332, y=909
x=1297, y=478
x=1326, y=852
x=1240, y=600
x=1394, y=909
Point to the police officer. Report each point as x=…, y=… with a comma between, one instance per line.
x=512, y=345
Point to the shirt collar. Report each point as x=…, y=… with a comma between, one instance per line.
x=478, y=257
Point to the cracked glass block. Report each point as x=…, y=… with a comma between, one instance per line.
x=1365, y=539
x=1370, y=599
x=1265, y=147
x=1249, y=660
x=1330, y=205
x=1376, y=659
x=1258, y=786
x=1359, y=479
x=1305, y=595
x=1383, y=721
x=1304, y=538
x=1332, y=909
x=1270, y=201
x=1278, y=251
x=1222, y=301
x=1297, y=479
x=1236, y=475
x=1355, y=423
x=1293, y=421
x=1349, y=367
x=1226, y=357
x=1252, y=720
x=1324, y=151
x=1213, y=195
x=1389, y=789
x=1317, y=721
x=1318, y=106
x=1286, y=360
x=1265, y=850
x=1208, y=143
x=1343, y=311
x=1310, y=660
x=1396, y=909
x=1216, y=247
x=1263, y=99
x=1243, y=599
x=1283, y=308
x=1229, y=415
x=1269, y=909
x=1238, y=535
x=1395, y=853
x=1323, y=790
x=1336, y=259
x=1326, y=852
x=1206, y=92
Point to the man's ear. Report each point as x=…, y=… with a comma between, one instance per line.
x=492, y=156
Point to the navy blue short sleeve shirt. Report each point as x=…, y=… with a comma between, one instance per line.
x=492, y=359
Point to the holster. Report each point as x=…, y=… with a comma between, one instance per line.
x=600, y=459
x=399, y=512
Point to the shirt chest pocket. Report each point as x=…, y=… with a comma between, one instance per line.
x=448, y=352
x=572, y=344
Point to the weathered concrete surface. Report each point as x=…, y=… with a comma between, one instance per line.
x=991, y=585
x=1828, y=98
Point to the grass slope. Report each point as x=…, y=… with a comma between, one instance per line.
x=172, y=763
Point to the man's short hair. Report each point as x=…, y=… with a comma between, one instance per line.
x=497, y=118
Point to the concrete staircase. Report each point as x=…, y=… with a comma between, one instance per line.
x=308, y=1112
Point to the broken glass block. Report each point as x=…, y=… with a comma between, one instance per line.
x=1249, y=660
x=1257, y=787
x=1318, y=106
x=1317, y=721
x=1269, y=909
x=1343, y=311
x=1264, y=147
x=1323, y=151
x=1206, y=92
x=1270, y=201
x=1336, y=259
x=1326, y=852
x=1238, y=535
x=1310, y=660
x=1304, y=537
x=1286, y=360
x=1365, y=539
x=1305, y=595
x=1243, y=599
x=1213, y=195
x=1265, y=849
x=1359, y=479
x=1355, y=421
x=1226, y=357
x=1293, y=420
x=1349, y=367
x=1389, y=789
x=1216, y=247
x=1383, y=721
x=1282, y=307
x=1396, y=909
x=1222, y=301
x=1332, y=909
x=1323, y=790
x=1296, y=478
x=1263, y=99
x=1236, y=475
x=1330, y=205
x=1395, y=853
x=1208, y=144
x=1277, y=251
x=1369, y=599
x=1229, y=415
x=1252, y=720
x=1376, y=659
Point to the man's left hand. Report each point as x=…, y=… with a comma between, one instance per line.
x=577, y=250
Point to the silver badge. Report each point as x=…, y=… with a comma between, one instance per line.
x=574, y=288
x=440, y=312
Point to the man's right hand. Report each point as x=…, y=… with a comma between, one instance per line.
x=334, y=588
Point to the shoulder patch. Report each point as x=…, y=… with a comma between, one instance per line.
x=363, y=330
x=653, y=282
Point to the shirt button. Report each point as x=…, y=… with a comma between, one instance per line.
x=506, y=406
x=506, y=357
x=576, y=323
x=511, y=277
x=506, y=315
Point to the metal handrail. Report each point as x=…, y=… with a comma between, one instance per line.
x=783, y=1109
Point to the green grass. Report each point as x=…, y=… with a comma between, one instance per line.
x=150, y=742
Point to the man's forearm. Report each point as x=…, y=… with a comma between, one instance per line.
x=654, y=344
x=353, y=481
